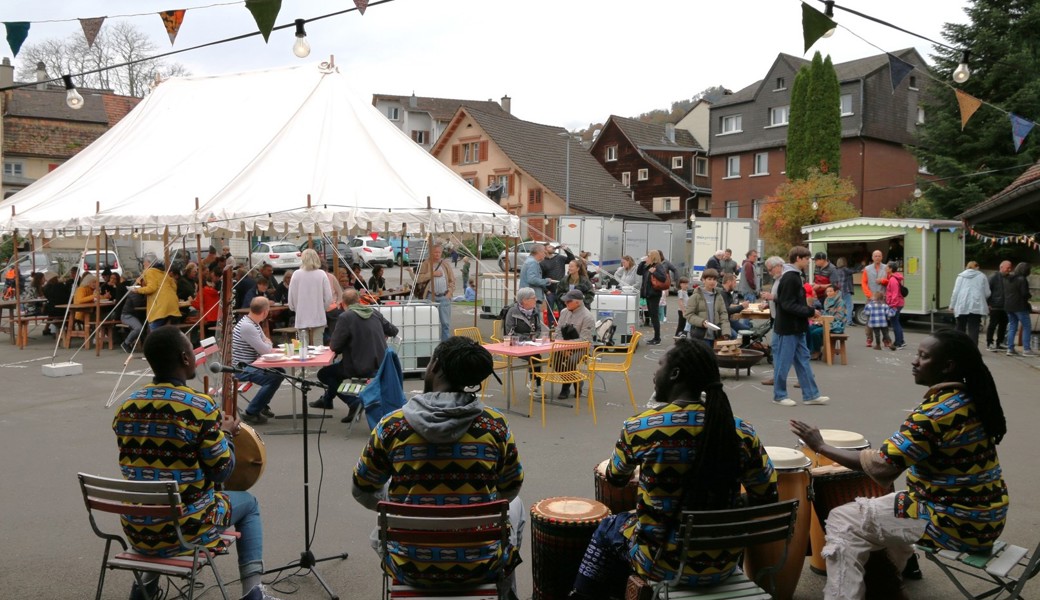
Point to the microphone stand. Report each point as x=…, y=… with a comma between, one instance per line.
x=306, y=560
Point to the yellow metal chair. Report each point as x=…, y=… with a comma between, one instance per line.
x=496, y=331
x=499, y=362
x=609, y=359
x=567, y=363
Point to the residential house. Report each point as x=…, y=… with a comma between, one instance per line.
x=664, y=166
x=533, y=170
x=425, y=119
x=749, y=135
x=697, y=121
x=39, y=131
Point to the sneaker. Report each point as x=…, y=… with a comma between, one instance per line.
x=768, y=381
x=126, y=348
x=1011, y=352
x=785, y=402
x=354, y=414
x=900, y=346
x=991, y=347
x=870, y=344
x=1028, y=353
x=258, y=593
x=249, y=419
x=563, y=396
x=320, y=404
x=1001, y=347
x=818, y=400
x=267, y=412
x=653, y=342
x=877, y=347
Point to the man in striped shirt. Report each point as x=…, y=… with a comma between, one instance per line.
x=248, y=342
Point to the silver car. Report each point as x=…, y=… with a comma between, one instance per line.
x=280, y=255
x=523, y=250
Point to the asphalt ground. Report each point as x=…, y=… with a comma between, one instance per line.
x=52, y=428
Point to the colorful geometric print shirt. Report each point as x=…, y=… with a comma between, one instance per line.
x=663, y=443
x=170, y=432
x=955, y=481
x=482, y=465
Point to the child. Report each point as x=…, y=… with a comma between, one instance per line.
x=684, y=295
x=878, y=313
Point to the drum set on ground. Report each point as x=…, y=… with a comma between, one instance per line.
x=561, y=527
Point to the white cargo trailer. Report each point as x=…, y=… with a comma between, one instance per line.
x=668, y=237
x=599, y=236
x=709, y=235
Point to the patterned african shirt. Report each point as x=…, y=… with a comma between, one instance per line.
x=482, y=465
x=955, y=481
x=170, y=432
x=663, y=442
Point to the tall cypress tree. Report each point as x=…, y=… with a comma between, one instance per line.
x=814, y=126
x=1005, y=64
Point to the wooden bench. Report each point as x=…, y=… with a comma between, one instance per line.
x=22, y=324
x=838, y=344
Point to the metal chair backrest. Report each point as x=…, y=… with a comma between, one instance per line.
x=422, y=524
x=568, y=356
x=472, y=333
x=150, y=499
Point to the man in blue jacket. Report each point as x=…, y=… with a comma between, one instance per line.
x=790, y=324
x=531, y=275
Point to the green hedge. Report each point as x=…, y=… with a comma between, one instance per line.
x=493, y=246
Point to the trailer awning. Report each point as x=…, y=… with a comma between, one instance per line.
x=865, y=237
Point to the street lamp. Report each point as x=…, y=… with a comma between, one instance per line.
x=692, y=218
x=686, y=209
x=567, y=185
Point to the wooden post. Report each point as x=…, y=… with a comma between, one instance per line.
x=16, y=323
x=97, y=298
x=202, y=284
x=476, y=277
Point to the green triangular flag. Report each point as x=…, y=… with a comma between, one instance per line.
x=265, y=13
x=814, y=25
x=17, y=31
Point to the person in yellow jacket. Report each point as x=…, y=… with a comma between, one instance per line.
x=160, y=291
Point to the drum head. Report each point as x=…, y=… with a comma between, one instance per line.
x=787, y=458
x=844, y=439
x=601, y=468
x=569, y=509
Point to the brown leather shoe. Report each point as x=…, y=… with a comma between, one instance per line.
x=767, y=381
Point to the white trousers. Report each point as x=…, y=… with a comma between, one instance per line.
x=856, y=529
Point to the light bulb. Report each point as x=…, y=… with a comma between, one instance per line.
x=72, y=96
x=962, y=73
x=301, y=47
x=815, y=205
x=830, y=32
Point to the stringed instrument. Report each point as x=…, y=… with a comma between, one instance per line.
x=250, y=451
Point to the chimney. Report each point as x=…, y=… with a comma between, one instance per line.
x=6, y=73
x=669, y=132
x=507, y=104
x=41, y=76
x=413, y=102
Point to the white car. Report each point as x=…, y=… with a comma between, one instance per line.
x=109, y=261
x=280, y=255
x=368, y=251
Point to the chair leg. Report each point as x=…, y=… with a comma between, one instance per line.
x=592, y=400
x=631, y=396
x=543, y=406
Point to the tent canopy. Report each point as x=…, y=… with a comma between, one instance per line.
x=275, y=152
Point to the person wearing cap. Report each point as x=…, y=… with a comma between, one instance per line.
x=822, y=272
x=577, y=315
x=554, y=266
x=446, y=447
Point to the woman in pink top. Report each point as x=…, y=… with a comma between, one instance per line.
x=894, y=298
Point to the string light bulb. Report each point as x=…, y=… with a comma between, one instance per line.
x=962, y=72
x=72, y=96
x=829, y=11
x=301, y=47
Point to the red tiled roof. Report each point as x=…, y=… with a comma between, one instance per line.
x=117, y=107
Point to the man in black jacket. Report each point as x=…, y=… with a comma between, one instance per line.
x=791, y=324
x=998, y=319
x=554, y=266
x=360, y=338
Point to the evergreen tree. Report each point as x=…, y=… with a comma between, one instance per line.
x=1005, y=65
x=814, y=123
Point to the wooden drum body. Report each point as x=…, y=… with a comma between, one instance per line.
x=792, y=470
x=617, y=499
x=561, y=528
x=847, y=440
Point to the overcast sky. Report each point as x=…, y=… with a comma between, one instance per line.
x=563, y=62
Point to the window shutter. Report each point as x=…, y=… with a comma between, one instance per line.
x=455, y=151
x=483, y=150
x=511, y=182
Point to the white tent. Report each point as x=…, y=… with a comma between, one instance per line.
x=244, y=154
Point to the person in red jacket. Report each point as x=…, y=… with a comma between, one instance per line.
x=894, y=298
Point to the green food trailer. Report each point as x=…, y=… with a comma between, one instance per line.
x=932, y=255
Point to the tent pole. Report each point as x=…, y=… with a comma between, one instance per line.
x=166, y=247
x=97, y=298
x=17, y=286
x=201, y=284
x=404, y=253
x=476, y=277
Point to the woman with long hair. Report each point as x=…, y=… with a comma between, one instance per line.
x=693, y=454
x=577, y=277
x=650, y=269
x=956, y=498
x=310, y=294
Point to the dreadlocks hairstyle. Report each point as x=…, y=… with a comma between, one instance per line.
x=464, y=362
x=958, y=347
x=717, y=460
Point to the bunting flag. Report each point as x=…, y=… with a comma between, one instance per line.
x=898, y=69
x=361, y=5
x=969, y=104
x=17, y=31
x=265, y=13
x=814, y=25
x=91, y=27
x=172, y=20
x=1020, y=128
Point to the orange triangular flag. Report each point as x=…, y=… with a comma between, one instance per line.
x=172, y=20
x=91, y=27
x=969, y=104
x=361, y=5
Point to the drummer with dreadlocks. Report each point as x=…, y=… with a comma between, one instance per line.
x=955, y=498
x=693, y=454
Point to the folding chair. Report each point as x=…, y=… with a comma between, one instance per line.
x=423, y=525
x=702, y=531
x=150, y=499
x=567, y=363
x=605, y=359
x=1008, y=567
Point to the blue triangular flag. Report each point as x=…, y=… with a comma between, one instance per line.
x=1020, y=128
x=898, y=69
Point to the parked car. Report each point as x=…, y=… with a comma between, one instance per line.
x=400, y=246
x=328, y=256
x=280, y=255
x=368, y=251
x=523, y=250
x=93, y=262
x=27, y=261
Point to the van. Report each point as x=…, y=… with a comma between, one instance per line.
x=95, y=262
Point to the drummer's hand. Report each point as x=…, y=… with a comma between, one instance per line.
x=230, y=424
x=808, y=434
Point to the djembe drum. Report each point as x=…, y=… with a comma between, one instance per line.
x=792, y=469
x=847, y=440
x=561, y=528
x=617, y=499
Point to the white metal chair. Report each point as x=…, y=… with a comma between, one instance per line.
x=421, y=525
x=151, y=499
x=1006, y=567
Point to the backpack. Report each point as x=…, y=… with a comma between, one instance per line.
x=903, y=290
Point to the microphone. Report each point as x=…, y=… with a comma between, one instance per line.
x=219, y=368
